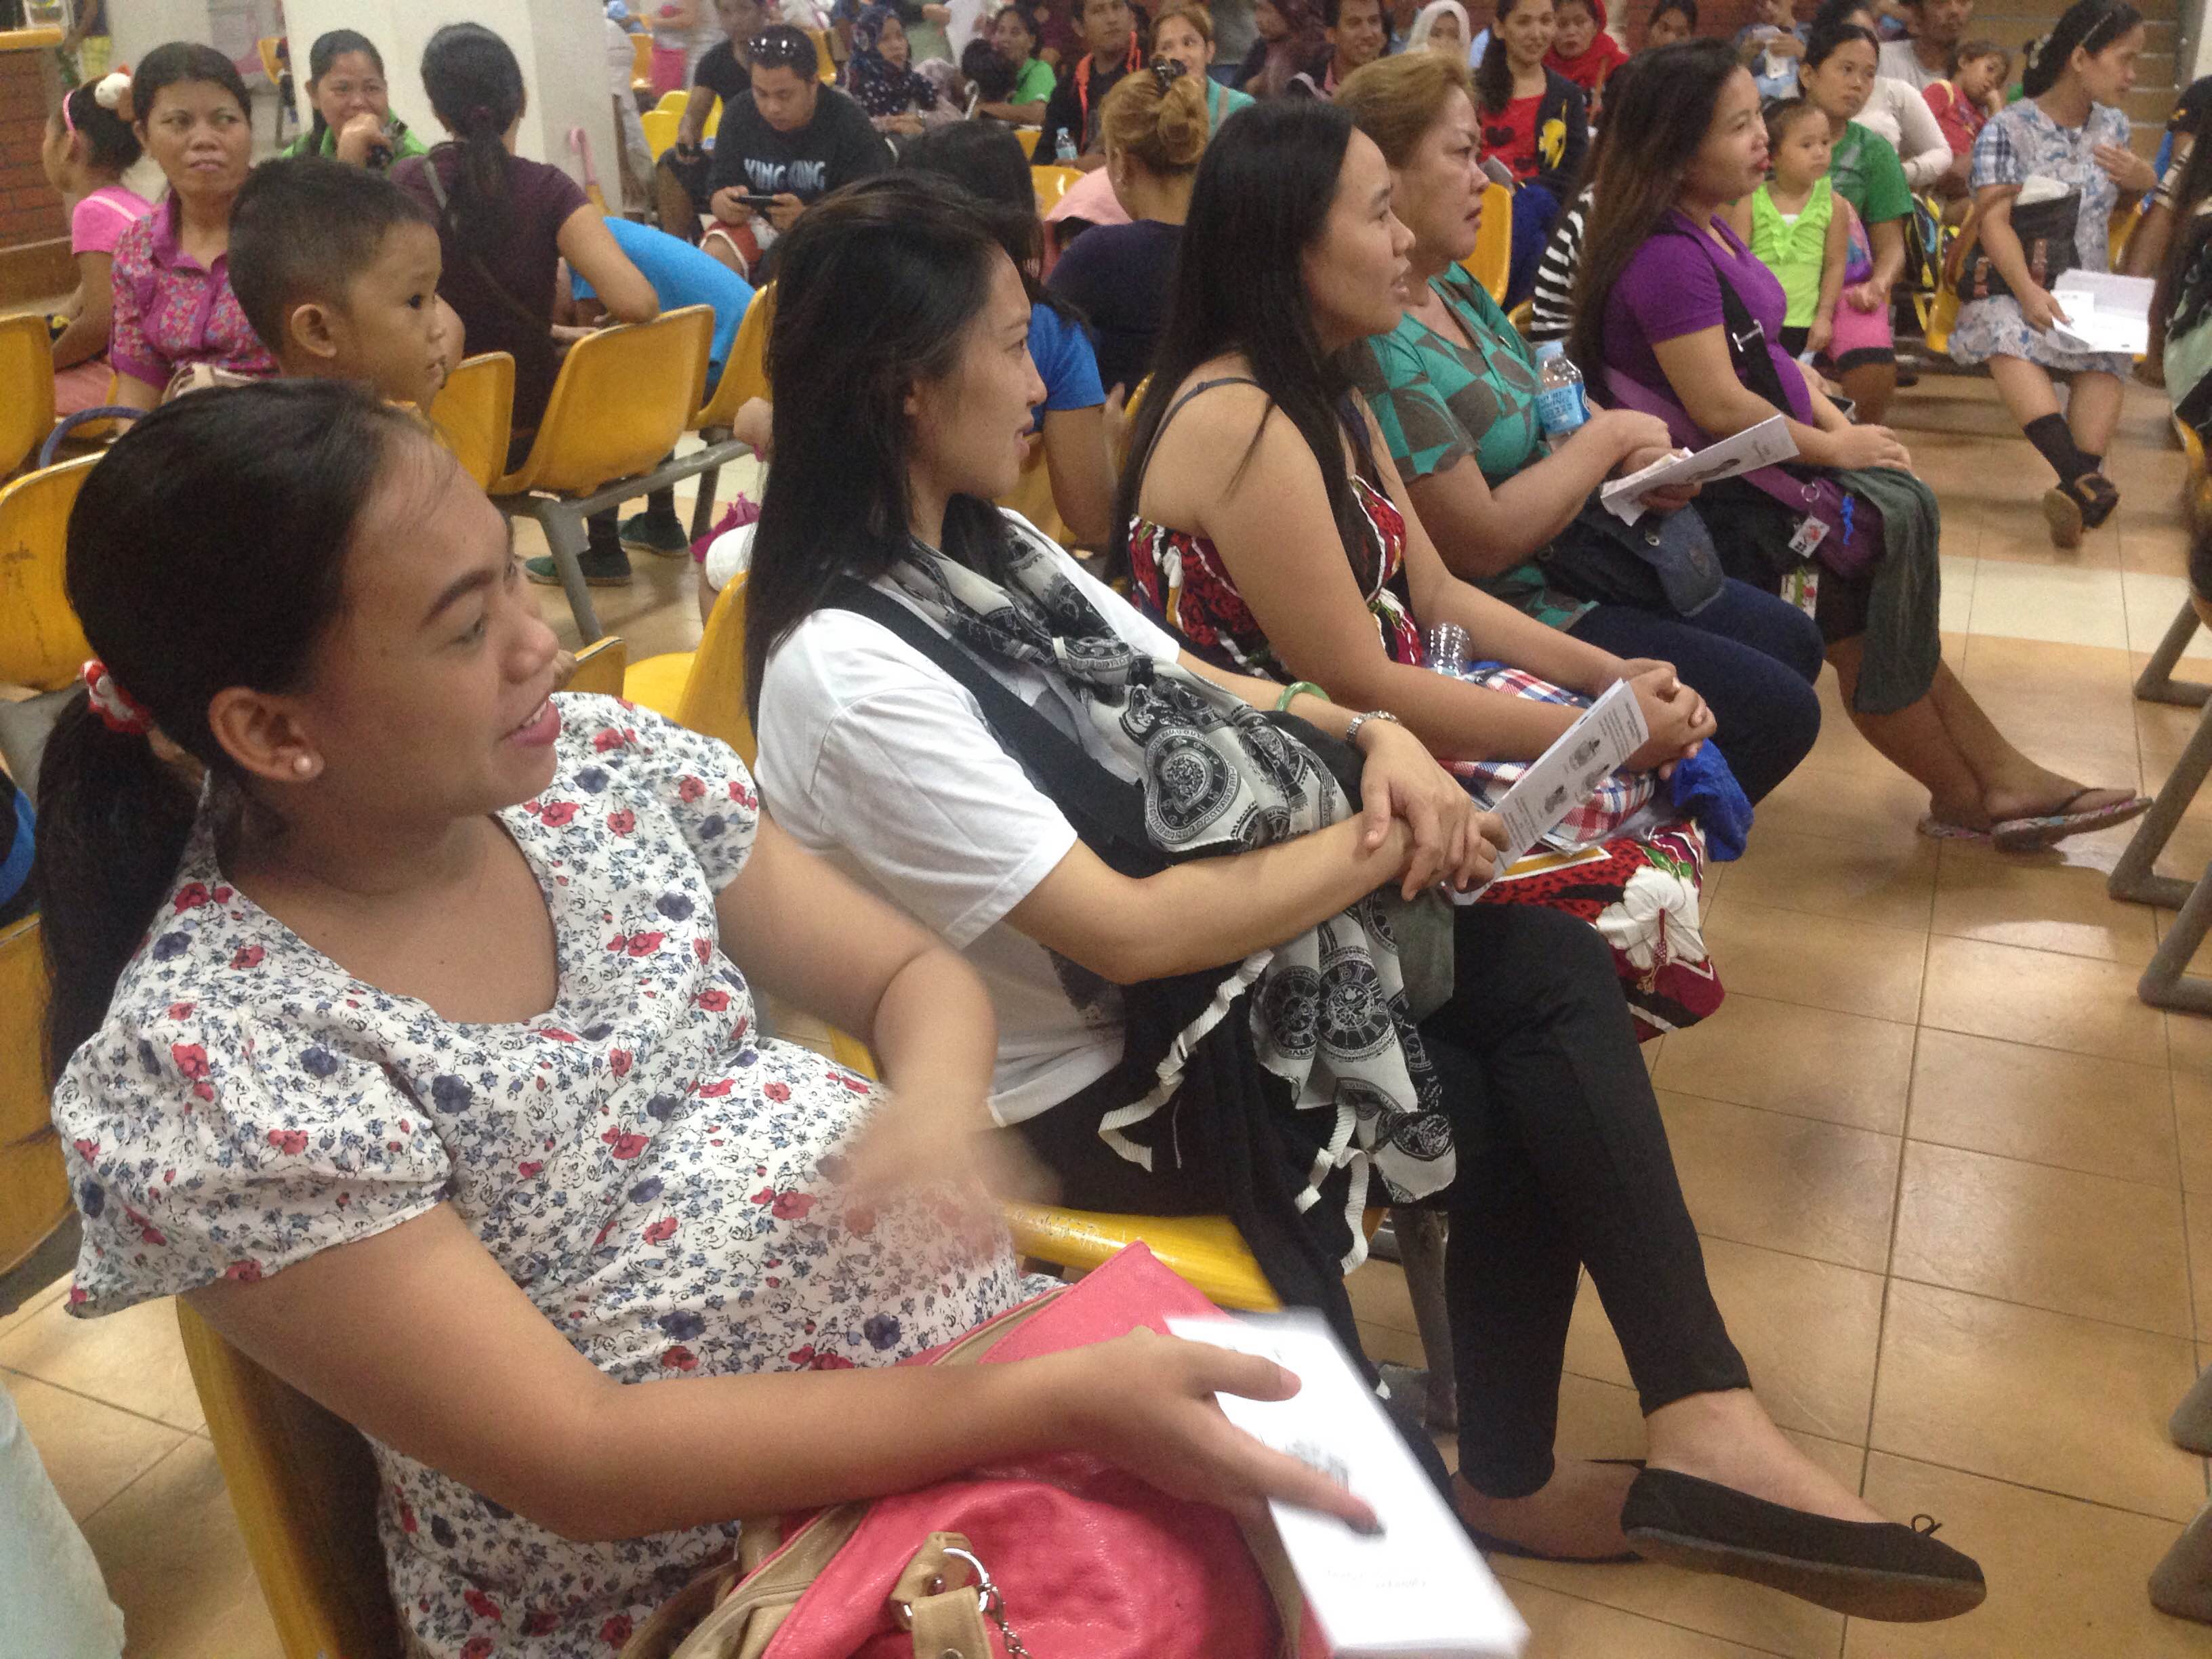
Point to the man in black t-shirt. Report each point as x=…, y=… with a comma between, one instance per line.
x=1070, y=119
x=788, y=137
x=679, y=178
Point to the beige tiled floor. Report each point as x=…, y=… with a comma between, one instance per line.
x=1956, y=1181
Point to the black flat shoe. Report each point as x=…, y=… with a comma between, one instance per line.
x=1490, y=1544
x=1867, y=1569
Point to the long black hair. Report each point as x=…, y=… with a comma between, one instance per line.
x=180, y=63
x=476, y=88
x=2183, y=299
x=876, y=288
x=207, y=550
x=1262, y=198
x=1493, y=75
x=2092, y=25
x=1825, y=43
x=1659, y=121
x=985, y=159
x=328, y=47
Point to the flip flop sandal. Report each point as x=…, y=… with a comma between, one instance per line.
x=2032, y=834
x=1935, y=830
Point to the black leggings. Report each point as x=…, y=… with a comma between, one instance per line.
x=1562, y=1163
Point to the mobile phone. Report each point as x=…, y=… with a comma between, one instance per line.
x=757, y=203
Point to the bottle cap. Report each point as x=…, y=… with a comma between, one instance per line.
x=1546, y=349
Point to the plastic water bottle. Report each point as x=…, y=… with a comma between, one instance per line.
x=1066, y=147
x=1561, y=404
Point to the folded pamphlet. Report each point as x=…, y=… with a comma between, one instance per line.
x=2104, y=312
x=1561, y=778
x=1416, y=1589
x=1750, y=449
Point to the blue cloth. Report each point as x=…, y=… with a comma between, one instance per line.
x=681, y=276
x=15, y=861
x=1704, y=788
x=1064, y=363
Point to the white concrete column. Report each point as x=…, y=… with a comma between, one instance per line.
x=561, y=45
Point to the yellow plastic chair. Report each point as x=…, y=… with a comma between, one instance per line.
x=714, y=123
x=599, y=667
x=673, y=102
x=26, y=388
x=744, y=377
x=1490, y=264
x=1032, y=498
x=1052, y=183
x=305, y=1488
x=1028, y=137
x=34, y=1194
x=826, y=60
x=1940, y=315
x=41, y=646
x=641, y=63
x=624, y=397
x=474, y=412
x=704, y=689
x=660, y=127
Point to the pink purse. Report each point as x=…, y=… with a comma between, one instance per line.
x=1061, y=1556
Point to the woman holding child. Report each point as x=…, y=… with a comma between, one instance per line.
x=1684, y=321
x=950, y=706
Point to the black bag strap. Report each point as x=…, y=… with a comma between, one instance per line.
x=1747, y=338
x=1108, y=813
x=521, y=313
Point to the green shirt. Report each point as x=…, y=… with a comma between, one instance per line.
x=405, y=144
x=1798, y=251
x=1438, y=403
x=1222, y=102
x=1034, y=84
x=1868, y=175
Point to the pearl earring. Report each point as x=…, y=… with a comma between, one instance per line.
x=303, y=764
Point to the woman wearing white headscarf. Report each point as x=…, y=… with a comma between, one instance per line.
x=1423, y=33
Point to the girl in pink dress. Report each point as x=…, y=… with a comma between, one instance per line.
x=89, y=145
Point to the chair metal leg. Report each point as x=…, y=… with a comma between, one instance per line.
x=566, y=535
x=702, y=509
x=1421, y=1236
x=2132, y=878
x=2156, y=682
x=2165, y=983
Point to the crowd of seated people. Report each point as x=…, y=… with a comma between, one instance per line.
x=407, y=1011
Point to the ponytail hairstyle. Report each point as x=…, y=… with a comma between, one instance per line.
x=2092, y=25
x=1156, y=117
x=1263, y=199
x=2183, y=298
x=1493, y=76
x=328, y=47
x=876, y=285
x=99, y=112
x=1659, y=121
x=476, y=89
x=206, y=550
x=180, y=63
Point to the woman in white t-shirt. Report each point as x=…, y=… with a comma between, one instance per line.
x=1203, y=1000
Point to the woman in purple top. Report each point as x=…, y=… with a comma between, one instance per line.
x=1684, y=322
x=174, y=308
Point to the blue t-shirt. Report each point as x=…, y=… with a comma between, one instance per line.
x=681, y=276
x=1064, y=363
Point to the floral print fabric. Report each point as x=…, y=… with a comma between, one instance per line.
x=170, y=313
x=657, y=1176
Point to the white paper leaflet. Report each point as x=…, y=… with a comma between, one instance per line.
x=1417, y=1589
x=2104, y=312
x=1753, y=447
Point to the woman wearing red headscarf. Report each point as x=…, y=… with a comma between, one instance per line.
x=1583, y=51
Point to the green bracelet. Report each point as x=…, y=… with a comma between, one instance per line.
x=1283, y=702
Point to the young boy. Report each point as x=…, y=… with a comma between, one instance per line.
x=336, y=268
x=1963, y=104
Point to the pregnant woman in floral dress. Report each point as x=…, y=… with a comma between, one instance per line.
x=419, y=1051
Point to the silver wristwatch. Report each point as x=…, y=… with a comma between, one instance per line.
x=1351, y=732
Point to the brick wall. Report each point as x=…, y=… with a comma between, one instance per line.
x=30, y=211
